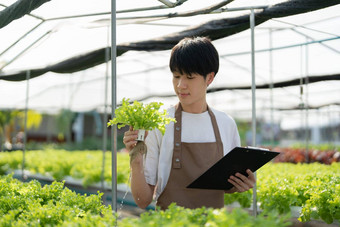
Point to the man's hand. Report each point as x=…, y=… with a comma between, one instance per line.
x=130, y=137
x=242, y=183
x=135, y=148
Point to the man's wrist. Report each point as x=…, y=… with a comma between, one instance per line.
x=137, y=161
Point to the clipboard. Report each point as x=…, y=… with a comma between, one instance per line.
x=237, y=160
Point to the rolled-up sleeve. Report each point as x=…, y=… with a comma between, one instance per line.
x=151, y=158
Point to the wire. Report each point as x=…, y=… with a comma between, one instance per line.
x=303, y=26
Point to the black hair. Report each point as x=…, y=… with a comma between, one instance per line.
x=194, y=55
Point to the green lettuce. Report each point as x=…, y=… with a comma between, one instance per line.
x=141, y=116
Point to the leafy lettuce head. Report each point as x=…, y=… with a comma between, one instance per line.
x=141, y=116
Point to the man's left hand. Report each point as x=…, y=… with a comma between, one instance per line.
x=242, y=183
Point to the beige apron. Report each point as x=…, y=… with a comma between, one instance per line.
x=189, y=161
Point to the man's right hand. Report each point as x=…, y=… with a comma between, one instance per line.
x=129, y=138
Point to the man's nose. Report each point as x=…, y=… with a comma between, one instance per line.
x=181, y=82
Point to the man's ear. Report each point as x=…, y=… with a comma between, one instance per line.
x=210, y=78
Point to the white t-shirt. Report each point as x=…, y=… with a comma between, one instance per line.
x=195, y=128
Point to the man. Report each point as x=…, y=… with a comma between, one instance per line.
x=199, y=138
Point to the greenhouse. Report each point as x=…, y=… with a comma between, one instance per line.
x=67, y=68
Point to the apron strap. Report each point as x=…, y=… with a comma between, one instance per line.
x=177, y=153
x=216, y=130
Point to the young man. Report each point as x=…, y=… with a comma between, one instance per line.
x=199, y=138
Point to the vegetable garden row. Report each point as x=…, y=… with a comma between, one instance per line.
x=312, y=189
x=300, y=155
x=29, y=204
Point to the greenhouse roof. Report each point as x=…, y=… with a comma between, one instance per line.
x=63, y=45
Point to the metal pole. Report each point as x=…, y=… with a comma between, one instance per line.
x=24, y=50
x=253, y=88
x=306, y=102
x=107, y=55
x=28, y=75
x=22, y=37
x=228, y=9
x=281, y=47
x=114, y=104
x=302, y=105
x=271, y=87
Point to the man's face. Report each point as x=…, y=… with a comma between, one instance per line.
x=190, y=89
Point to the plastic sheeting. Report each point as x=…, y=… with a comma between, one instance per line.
x=287, y=49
